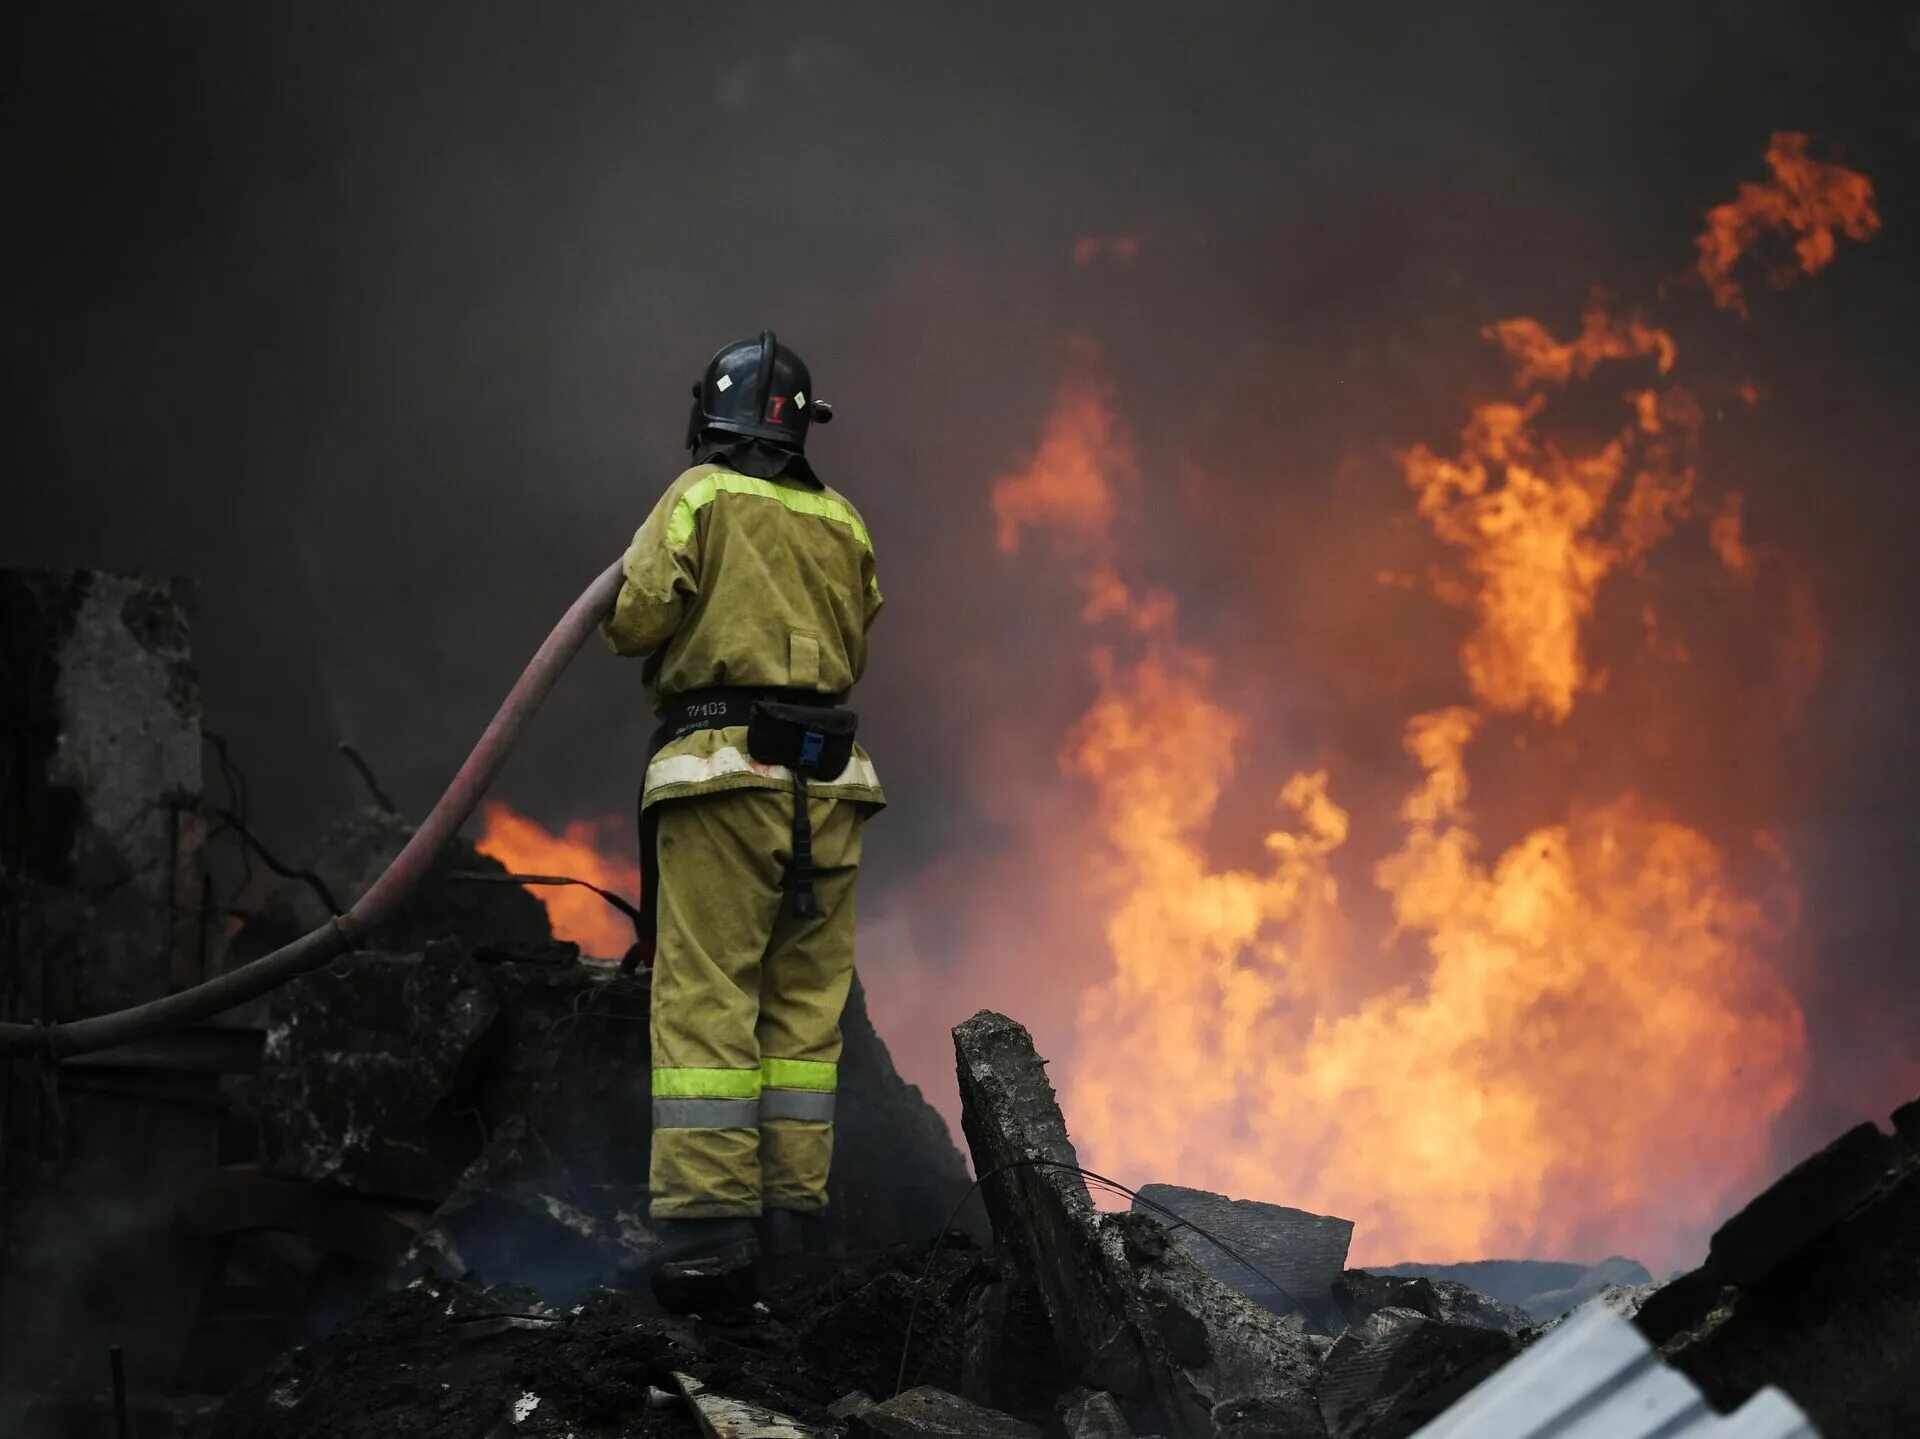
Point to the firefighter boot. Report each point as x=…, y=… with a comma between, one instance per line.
x=789, y=1234
x=697, y=1264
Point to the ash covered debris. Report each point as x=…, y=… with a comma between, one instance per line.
x=442, y=1357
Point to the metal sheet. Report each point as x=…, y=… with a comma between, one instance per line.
x=1596, y=1377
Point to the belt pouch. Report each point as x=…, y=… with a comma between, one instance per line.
x=815, y=742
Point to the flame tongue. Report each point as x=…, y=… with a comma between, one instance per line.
x=1813, y=200
x=1588, y=1050
x=587, y=850
x=1583, y=1045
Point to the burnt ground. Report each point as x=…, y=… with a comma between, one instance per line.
x=451, y=1360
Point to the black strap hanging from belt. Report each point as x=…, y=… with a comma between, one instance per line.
x=814, y=741
x=799, y=880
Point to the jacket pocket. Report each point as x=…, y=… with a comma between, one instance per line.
x=803, y=661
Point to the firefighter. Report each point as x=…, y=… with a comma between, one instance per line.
x=750, y=589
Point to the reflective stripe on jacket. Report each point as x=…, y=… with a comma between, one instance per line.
x=739, y=581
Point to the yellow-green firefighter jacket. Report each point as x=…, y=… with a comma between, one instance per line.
x=736, y=581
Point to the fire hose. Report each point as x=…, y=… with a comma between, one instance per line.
x=343, y=932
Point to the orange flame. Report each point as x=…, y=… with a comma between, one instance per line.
x=1579, y=1045
x=1537, y=525
x=586, y=850
x=1814, y=199
x=1591, y=1050
x=1067, y=486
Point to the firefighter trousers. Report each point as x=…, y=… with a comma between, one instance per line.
x=746, y=1004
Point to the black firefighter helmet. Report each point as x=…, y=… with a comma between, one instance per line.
x=759, y=389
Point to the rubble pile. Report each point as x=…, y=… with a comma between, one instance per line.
x=1093, y=1324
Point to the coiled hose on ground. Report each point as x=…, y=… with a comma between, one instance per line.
x=342, y=932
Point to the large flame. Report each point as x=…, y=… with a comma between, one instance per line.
x=1580, y=1044
x=590, y=850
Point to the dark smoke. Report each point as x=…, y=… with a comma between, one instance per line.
x=378, y=321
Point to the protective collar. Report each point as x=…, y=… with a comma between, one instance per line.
x=755, y=458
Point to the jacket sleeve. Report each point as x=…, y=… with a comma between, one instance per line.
x=873, y=598
x=661, y=576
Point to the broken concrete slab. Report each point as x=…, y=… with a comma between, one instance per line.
x=1596, y=1375
x=1399, y=1368
x=929, y=1413
x=1814, y=1286
x=1360, y=1294
x=722, y=1418
x=1130, y=1313
x=1293, y=1257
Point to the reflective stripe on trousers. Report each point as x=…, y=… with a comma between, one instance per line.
x=740, y=1099
x=798, y=1089
x=706, y=1098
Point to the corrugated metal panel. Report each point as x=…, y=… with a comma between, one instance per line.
x=1596, y=1377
